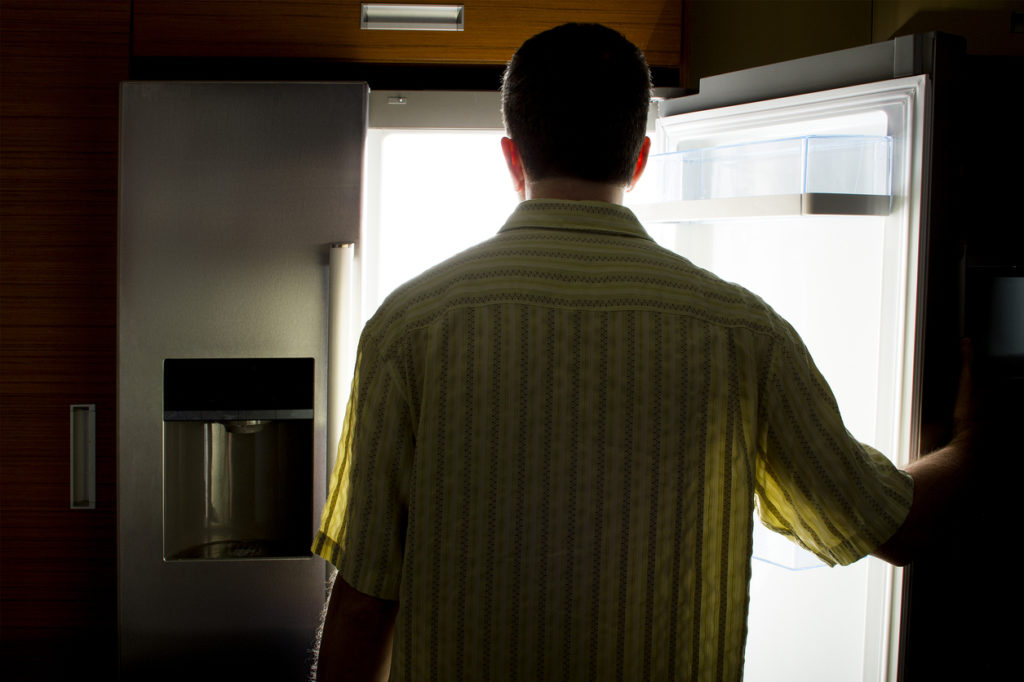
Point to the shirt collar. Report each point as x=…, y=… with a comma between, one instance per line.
x=588, y=216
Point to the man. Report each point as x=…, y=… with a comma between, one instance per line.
x=556, y=439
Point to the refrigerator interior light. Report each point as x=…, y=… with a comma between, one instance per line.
x=395, y=17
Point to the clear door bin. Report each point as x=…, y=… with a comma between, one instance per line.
x=853, y=165
x=848, y=165
x=779, y=550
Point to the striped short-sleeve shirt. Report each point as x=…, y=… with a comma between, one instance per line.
x=554, y=448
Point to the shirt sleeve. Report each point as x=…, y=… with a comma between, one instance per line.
x=836, y=497
x=362, y=529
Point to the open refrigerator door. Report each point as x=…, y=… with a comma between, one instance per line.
x=814, y=202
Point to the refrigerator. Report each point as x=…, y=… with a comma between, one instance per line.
x=810, y=182
x=821, y=184
x=239, y=208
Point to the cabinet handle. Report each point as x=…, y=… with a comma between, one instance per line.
x=83, y=456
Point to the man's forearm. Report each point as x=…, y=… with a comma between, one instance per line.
x=357, y=634
x=938, y=480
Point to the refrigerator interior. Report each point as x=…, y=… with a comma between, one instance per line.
x=847, y=283
x=438, y=192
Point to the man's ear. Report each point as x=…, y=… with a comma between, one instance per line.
x=641, y=162
x=514, y=163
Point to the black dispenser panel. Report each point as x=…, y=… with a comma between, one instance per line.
x=238, y=388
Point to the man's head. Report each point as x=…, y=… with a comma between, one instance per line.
x=575, y=100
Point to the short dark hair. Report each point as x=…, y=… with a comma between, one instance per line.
x=574, y=99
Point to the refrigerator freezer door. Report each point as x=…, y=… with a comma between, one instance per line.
x=231, y=195
x=850, y=286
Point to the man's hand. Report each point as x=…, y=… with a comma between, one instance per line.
x=965, y=425
x=938, y=477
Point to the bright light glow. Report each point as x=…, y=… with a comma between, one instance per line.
x=440, y=193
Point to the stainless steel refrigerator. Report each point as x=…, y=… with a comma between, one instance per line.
x=239, y=205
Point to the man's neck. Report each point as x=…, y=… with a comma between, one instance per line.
x=573, y=189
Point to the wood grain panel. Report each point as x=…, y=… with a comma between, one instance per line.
x=61, y=64
x=330, y=30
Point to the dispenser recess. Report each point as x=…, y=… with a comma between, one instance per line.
x=238, y=458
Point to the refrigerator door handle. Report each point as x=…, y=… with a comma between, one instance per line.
x=340, y=342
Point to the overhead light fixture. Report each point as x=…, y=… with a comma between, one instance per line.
x=389, y=17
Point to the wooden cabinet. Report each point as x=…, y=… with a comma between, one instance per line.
x=329, y=29
x=61, y=64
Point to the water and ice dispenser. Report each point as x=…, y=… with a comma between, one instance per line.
x=238, y=458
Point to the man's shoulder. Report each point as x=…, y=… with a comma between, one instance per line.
x=572, y=269
x=416, y=297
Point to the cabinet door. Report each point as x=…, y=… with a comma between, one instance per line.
x=330, y=30
x=61, y=65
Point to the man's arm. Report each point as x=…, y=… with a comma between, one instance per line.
x=357, y=634
x=939, y=477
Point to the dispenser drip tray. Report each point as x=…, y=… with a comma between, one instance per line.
x=237, y=549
